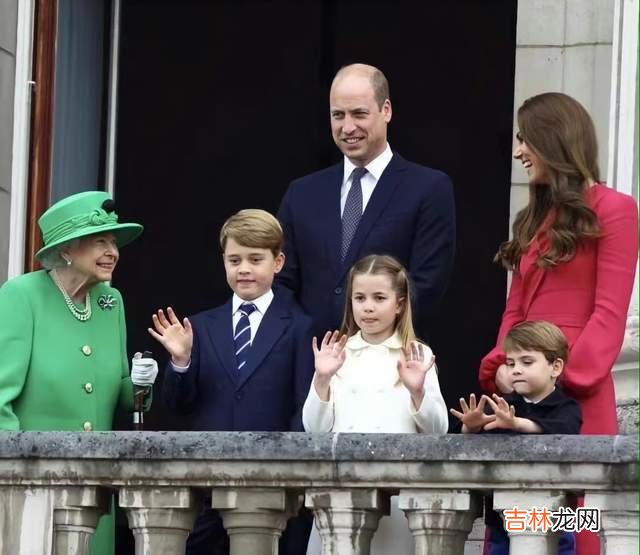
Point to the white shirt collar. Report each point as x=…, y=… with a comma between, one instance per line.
x=356, y=342
x=375, y=167
x=262, y=302
x=535, y=402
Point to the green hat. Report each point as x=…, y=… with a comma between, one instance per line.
x=81, y=215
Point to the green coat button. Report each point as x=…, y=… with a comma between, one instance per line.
x=86, y=350
x=88, y=387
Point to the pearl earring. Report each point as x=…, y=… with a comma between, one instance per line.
x=68, y=261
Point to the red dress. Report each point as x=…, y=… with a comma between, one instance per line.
x=588, y=298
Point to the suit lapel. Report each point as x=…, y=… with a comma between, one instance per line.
x=334, y=221
x=274, y=323
x=220, y=330
x=386, y=186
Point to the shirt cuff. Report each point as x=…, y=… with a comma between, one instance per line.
x=180, y=369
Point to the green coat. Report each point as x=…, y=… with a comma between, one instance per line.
x=58, y=373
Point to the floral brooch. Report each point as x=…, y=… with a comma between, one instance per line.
x=107, y=302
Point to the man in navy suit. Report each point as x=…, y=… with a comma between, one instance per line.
x=244, y=366
x=374, y=201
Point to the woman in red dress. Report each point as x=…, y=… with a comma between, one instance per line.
x=573, y=256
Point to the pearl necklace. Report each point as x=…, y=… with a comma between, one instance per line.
x=81, y=314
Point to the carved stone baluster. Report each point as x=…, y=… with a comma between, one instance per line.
x=528, y=540
x=160, y=518
x=618, y=520
x=255, y=517
x=75, y=517
x=347, y=518
x=440, y=520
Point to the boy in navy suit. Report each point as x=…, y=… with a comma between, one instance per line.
x=243, y=366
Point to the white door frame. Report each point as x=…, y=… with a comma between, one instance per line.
x=21, y=132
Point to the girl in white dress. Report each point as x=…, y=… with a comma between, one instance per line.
x=376, y=376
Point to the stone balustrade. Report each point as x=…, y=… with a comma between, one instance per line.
x=54, y=486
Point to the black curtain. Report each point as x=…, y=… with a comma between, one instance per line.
x=222, y=104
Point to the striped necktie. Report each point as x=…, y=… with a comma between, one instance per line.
x=352, y=210
x=242, y=334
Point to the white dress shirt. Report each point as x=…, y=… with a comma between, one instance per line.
x=262, y=303
x=368, y=181
x=255, y=318
x=367, y=396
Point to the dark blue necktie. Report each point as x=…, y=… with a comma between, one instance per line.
x=242, y=334
x=352, y=210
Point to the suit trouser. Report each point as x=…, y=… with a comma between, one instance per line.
x=210, y=538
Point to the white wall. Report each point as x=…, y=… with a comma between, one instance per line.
x=563, y=46
x=8, y=32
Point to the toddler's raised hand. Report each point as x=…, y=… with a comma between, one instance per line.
x=505, y=414
x=472, y=416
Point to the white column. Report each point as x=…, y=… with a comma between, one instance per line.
x=623, y=115
x=75, y=517
x=623, y=176
x=26, y=520
x=347, y=518
x=21, y=128
x=160, y=518
x=528, y=541
x=255, y=517
x=618, y=520
x=440, y=520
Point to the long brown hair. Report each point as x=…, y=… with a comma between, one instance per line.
x=561, y=133
x=378, y=264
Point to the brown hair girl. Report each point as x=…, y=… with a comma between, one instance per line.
x=557, y=130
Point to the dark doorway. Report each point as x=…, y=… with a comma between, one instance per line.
x=222, y=104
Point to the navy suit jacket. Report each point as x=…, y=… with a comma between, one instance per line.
x=410, y=216
x=270, y=390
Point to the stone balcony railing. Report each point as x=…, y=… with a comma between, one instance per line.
x=54, y=486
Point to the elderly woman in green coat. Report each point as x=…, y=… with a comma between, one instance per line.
x=62, y=331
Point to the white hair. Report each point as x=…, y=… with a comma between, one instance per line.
x=53, y=258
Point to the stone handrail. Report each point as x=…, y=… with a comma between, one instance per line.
x=258, y=480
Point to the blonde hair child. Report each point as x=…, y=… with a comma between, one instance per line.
x=374, y=375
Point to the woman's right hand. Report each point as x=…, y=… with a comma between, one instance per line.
x=503, y=383
x=329, y=358
x=175, y=337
